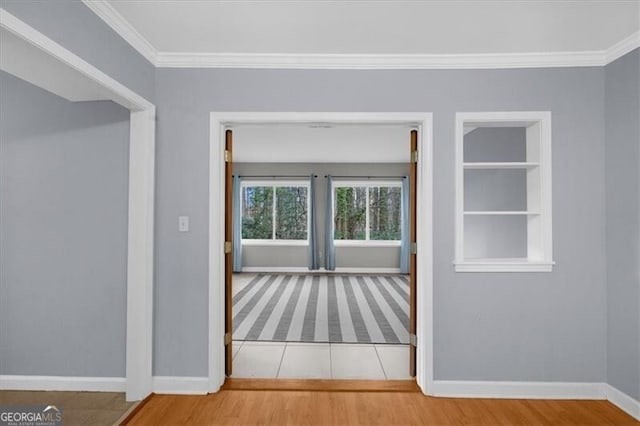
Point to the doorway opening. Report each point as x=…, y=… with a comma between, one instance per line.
x=320, y=268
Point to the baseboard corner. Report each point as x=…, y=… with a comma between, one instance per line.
x=623, y=401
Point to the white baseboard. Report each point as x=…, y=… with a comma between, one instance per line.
x=305, y=270
x=181, y=385
x=367, y=271
x=277, y=269
x=529, y=390
x=622, y=401
x=63, y=383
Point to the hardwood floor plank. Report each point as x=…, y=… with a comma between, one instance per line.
x=317, y=407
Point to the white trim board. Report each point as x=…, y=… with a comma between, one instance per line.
x=180, y=385
x=622, y=401
x=63, y=383
x=537, y=390
x=139, y=347
x=165, y=59
x=219, y=121
x=120, y=93
x=305, y=270
x=529, y=390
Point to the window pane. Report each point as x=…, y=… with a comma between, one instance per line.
x=257, y=213
x=384, y=213
x=291, y=213
x=350, y=213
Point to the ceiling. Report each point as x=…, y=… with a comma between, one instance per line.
x=321, y=143
x=380, y=27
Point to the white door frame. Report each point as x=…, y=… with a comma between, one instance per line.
x=223, y=120
x=141, y=202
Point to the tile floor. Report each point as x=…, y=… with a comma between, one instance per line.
x=270, y=360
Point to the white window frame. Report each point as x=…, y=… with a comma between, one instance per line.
x=391, y=183
x=277, y=184
x=538, y=165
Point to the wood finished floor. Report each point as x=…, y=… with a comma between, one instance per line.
x=275, y=407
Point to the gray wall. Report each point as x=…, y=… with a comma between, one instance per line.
x=74, y=26
x=346, y=257
x=622, y=142
x=63, y=233
x=516, y=326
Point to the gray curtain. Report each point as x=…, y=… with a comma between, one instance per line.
x=313, y=225
x=237, y=225
x=405, y=243
x=329, y=249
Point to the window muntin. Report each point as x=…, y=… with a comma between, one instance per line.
x=275, y=212
x=367, y=212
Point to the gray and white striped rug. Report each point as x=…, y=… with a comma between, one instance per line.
x=323, y=308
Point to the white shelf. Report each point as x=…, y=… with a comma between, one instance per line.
x=500, y=165
x=503, y=265
x=499, y=212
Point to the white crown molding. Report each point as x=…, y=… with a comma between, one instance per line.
x=379, y=62
x=595, y=58
x=622, y=47
x=123, y=28
x=63, y=383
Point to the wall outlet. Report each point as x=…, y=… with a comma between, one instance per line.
x=183, y=223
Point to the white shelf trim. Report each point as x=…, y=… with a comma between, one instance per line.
x=500, y=165
x=500, y=213
x=493, y=265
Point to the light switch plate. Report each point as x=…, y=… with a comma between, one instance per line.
x=183, y=223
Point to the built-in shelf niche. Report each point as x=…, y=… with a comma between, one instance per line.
x=503, y=192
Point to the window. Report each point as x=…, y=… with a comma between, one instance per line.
x=367, y=212
x=275, y=212
x=503, y=192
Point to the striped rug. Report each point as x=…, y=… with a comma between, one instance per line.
x=323, y=308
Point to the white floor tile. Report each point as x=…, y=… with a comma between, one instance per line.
x=395, y=361
x=306, y=361
x=258, y=360
x=352, y=361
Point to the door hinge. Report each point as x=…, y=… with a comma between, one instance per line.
x=413, y=340
x=414, y=156
x=227, y=247
x=414, y=248
x=227, y=338
x=227, y=156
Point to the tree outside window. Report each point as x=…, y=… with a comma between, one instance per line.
x=367, y=212
x=274, y=212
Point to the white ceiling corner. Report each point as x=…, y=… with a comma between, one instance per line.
x=388, y=35
x=123, y=27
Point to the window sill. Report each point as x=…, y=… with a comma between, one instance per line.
x=503, y=265
x=281, y=243
x=364, y=243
